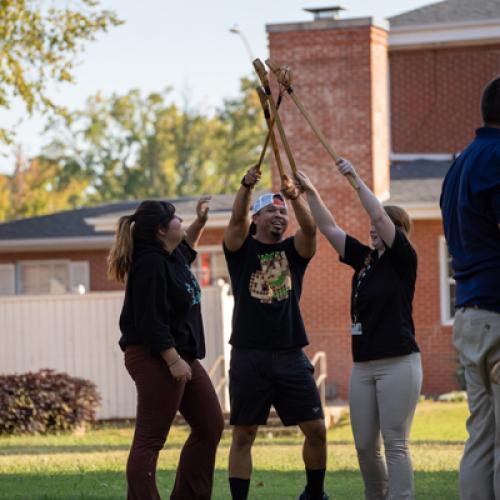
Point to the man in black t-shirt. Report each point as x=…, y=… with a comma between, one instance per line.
x=268, y=366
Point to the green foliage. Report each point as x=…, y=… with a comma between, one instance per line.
x=134, y=147
x=242, y=134
x=45, y=402
x=131, y=147
x=39, y=45
x=38, y=187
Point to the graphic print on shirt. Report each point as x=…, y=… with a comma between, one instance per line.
x=273, y=280
x=193, y=288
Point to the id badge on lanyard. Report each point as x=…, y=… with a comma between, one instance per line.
x=356, y=329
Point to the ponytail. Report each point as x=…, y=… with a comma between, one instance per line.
x=120, y=255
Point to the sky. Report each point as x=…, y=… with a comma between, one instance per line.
x=184, y=44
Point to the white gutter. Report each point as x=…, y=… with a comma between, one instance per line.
x=108, y=222
x=456, y=33
x=422, y=211
x=421, y=156
x=44, y=244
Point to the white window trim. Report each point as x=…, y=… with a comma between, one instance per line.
x=11, y=285
x=446, y=314
x=85, y=266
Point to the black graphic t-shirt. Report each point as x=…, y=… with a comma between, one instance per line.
x=162, y=302
x=381, y=299
x=267, y=284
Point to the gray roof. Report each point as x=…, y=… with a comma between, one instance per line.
x=449, y=11
x=417, y=181
x=71, y=223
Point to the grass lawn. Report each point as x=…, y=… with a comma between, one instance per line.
x=92, y=466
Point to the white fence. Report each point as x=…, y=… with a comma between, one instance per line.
x=78, y=334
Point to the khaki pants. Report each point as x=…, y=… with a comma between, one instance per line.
x=476, y=335
x=383, y=395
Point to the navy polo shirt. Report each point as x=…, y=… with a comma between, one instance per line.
x=470, y=204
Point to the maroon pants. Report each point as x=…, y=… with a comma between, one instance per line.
x=159, y=397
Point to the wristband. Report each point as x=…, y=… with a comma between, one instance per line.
x=173, y=362
x=244, y=184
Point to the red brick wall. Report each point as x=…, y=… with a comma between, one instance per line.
x=438, y=354
x=327, y=316
x=435, y=95
x=341, y=75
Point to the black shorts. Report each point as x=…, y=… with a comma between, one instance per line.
x=283, y=379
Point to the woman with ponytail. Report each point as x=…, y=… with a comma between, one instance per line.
x=162, y=337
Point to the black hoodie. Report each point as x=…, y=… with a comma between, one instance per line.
x=162, y=301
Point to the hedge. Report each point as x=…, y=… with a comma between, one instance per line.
x=45, y=402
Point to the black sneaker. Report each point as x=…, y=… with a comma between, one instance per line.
x=304, y=496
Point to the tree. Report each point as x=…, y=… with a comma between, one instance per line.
x=242, y=134
x=113, y=142
x=38, y=187
x=130, y=146
x=39, y=45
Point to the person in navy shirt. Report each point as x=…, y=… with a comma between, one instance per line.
x=470, y=204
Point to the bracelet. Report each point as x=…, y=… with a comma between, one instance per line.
x=173, y=362
x=244, y=184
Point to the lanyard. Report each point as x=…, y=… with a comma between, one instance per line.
x=357, y=284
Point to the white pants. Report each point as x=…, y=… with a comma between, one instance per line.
x=383, y=395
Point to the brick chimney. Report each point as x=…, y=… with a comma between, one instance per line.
x=340, y=72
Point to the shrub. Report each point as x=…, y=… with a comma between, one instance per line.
x=45, y=402
x=453, y=396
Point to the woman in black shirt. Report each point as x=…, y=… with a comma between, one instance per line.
x=387, y=374
x=162, y=336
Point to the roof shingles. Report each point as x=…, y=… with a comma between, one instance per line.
x=448, y=11
x=71, y=223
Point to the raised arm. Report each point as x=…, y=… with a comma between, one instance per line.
x=384, y=226
x=239, y=223
x=322, y=216
x=194, y=231
x=305, y=237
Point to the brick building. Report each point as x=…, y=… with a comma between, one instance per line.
x=399, y=99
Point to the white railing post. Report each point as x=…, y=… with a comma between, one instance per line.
x=319, y=359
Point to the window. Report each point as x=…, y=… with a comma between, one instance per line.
x=7, y=279
x=44, y=277
x=447, y=284
x=210, y=266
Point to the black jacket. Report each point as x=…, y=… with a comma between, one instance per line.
x=162, y=301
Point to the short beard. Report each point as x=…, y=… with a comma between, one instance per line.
x=276, y=234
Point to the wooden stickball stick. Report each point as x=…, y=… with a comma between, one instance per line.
x=280, y=75
x=269, y=131
x=260, y=69
x=274, y=145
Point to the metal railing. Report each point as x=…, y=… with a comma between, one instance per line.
x=218, y=366
x=320, y=359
